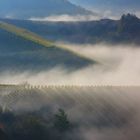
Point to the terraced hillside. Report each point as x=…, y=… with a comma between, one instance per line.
x=24, y=50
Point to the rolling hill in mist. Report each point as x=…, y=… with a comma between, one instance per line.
x=23, y=50
x=35, y=8
x=101, y=113
x=125, y=30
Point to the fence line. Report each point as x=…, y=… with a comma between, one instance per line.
x=65, y=86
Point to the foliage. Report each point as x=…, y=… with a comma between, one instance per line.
x=33, y=126
x=61, y=121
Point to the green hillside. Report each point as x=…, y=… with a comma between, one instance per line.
x=24, y=50
x=25, y=34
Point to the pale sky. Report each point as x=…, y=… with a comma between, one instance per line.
x=113, y=7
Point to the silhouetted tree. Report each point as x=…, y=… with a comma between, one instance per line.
x=61, y=121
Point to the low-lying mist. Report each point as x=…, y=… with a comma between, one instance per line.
x=117, y=65
x=75, y=18
x=67, y=18
x=95, y=113
x=100, y=113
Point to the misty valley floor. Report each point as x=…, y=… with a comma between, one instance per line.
x=69, y=113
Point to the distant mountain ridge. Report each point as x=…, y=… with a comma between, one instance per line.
x=124, y=30
x=24, y=9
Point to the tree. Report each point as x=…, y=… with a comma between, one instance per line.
x=61, y=121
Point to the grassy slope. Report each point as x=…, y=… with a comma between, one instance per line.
x=25, y=34
x=24, y=50
x=35, y=38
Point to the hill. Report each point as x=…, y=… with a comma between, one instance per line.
x=105, y=112
x=124, y=30
x=35, y=8
x=23, y=50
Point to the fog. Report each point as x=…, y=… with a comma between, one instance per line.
x=116, y=65
x=100, y=113
x=66, y=18
x=98, y=15
x=71, y=18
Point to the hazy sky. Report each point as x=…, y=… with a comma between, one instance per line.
x=113, y=6
x=131, y=4
x=105, y=8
